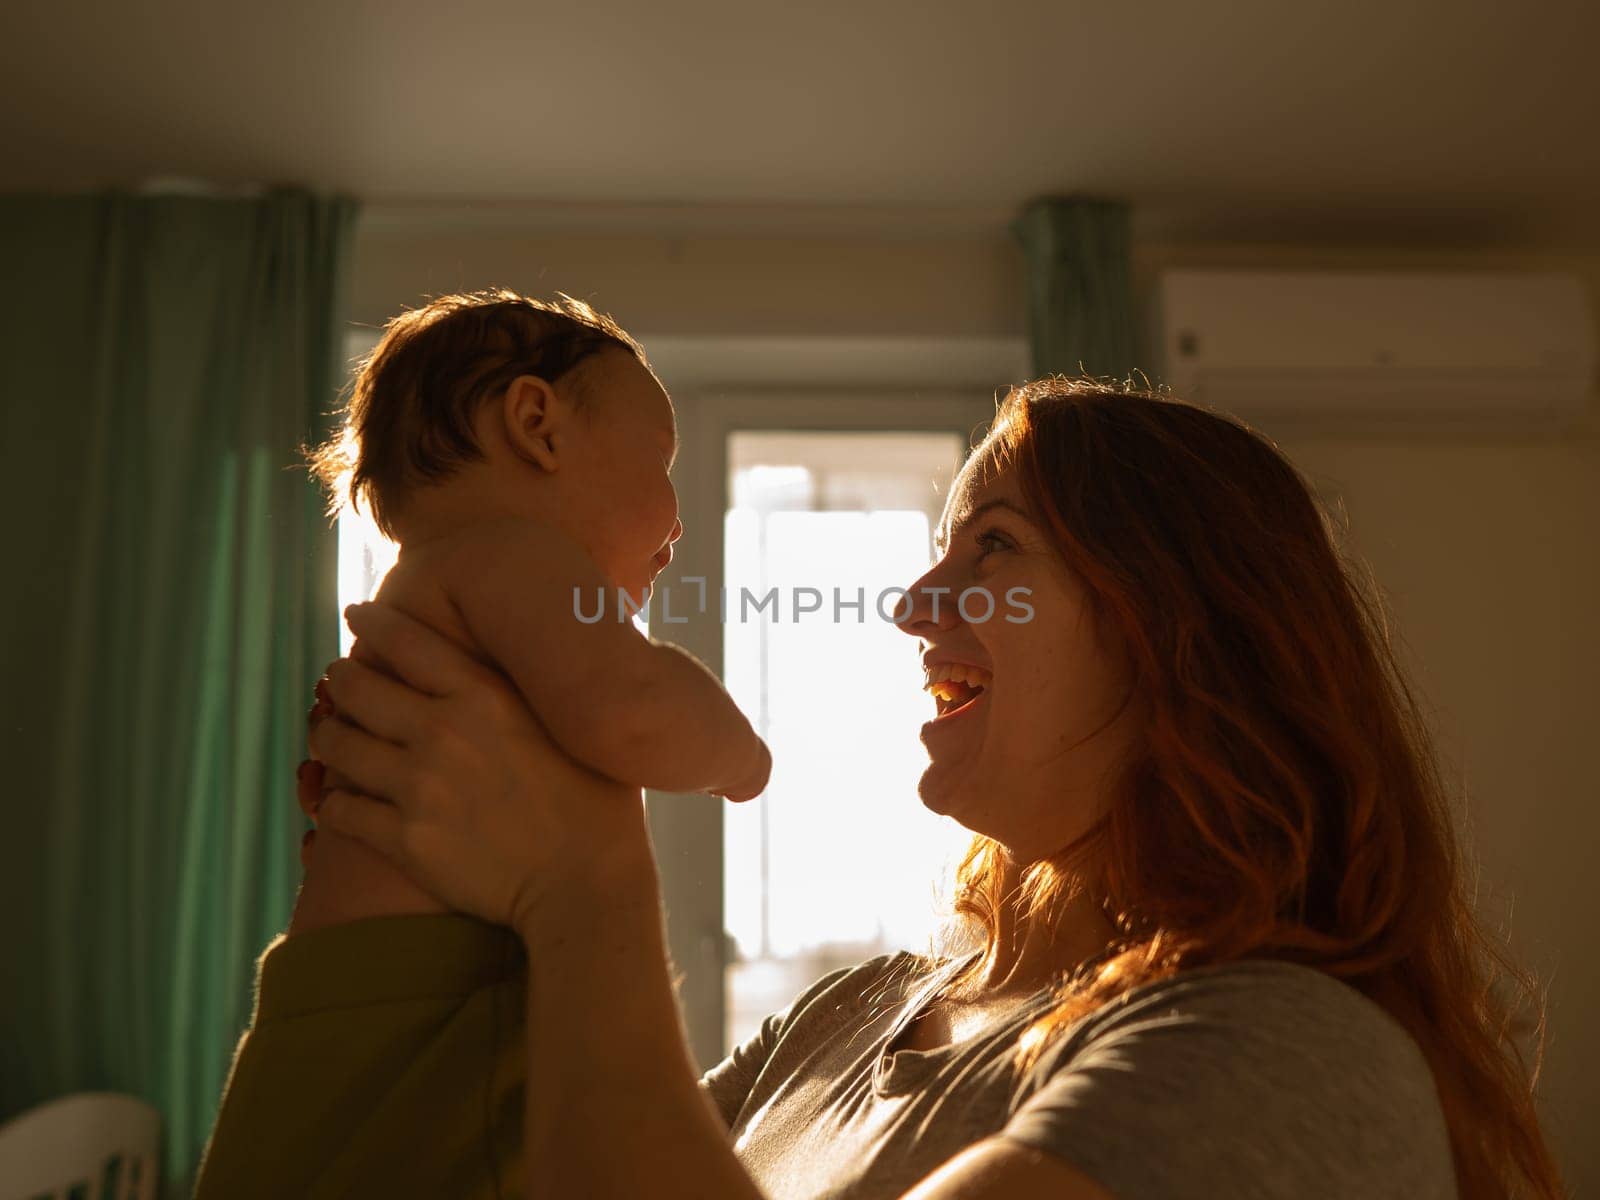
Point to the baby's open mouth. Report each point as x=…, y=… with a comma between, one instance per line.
x=954, y=686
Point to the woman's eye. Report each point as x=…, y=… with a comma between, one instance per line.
x=991, y=540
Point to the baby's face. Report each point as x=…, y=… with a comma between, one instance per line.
x=626, y=507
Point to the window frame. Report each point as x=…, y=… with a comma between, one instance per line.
x=687, y=831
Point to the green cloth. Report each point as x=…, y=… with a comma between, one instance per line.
x=1080, y=291
x=386, y=1058
x=171, y=599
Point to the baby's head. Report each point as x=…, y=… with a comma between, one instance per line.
x=490, y=404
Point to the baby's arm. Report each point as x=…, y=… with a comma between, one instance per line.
x=646, y=713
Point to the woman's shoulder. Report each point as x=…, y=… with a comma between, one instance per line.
x=883, y=978
x=851, y=995
x=1280, y=999
x=1281, y=1023
x=1261, y=1070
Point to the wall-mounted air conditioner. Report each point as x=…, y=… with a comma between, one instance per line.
x=1447, y=347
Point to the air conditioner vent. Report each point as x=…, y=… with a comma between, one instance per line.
x=1376, y=344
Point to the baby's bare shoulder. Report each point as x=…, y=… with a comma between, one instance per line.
x=418, y=585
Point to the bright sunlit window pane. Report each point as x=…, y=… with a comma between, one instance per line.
x=365, y=557
x=838, y=860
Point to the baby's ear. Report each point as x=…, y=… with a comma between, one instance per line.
x=536, y=418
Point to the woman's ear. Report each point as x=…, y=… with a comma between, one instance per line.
x=536, y=417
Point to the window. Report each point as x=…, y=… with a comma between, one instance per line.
x=837, y=861
x=365, y=557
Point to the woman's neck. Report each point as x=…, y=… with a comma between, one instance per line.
x=1028, y=952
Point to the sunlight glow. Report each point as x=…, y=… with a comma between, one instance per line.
x=838, y=861
x=365, y=557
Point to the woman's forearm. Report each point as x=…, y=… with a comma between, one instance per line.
x=483, y=809
x=614, y=1108
x=346, y=880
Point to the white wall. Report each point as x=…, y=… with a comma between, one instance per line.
x=710, y=285
x=1486, y=545
x=1487, y=552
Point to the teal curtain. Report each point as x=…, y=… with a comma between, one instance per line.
x=171, y=600
x=1080, y=295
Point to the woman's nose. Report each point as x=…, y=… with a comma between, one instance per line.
x=928, y=606
x=677, y=531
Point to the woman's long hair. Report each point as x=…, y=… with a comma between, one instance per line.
x=1285, y=800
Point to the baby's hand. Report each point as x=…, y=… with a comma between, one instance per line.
x=753, y=784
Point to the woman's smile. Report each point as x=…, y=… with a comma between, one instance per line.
x=958, y=690
x=951, y=712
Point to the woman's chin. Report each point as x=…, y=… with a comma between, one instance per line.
x=937, y=790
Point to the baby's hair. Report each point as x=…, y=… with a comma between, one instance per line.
x=410, y=416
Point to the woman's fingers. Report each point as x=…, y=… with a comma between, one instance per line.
x=308, y=787
x=379, y=766
x=455, y=693
x=320, y=711
x=367, y=697
x=323, y=707
x=365, y=819
x=422, y=658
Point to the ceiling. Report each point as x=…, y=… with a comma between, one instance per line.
x=1454, y=115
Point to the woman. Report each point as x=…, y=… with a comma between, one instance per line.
x=1226, y=947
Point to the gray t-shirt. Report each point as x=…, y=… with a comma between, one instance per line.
x=1255, y=1079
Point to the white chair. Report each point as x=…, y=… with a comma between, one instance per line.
x=102, y=1142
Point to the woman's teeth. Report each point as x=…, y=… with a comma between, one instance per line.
x=959, y=672
x=955, y=685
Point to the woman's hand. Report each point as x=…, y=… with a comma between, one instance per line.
x=459, y=785
x=308, y=775
x=308, y=791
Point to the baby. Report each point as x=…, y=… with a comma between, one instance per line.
x=518, y=451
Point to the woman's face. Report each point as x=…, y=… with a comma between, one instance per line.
x=1027, y=761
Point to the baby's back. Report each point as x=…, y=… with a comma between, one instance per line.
x=338, y=866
